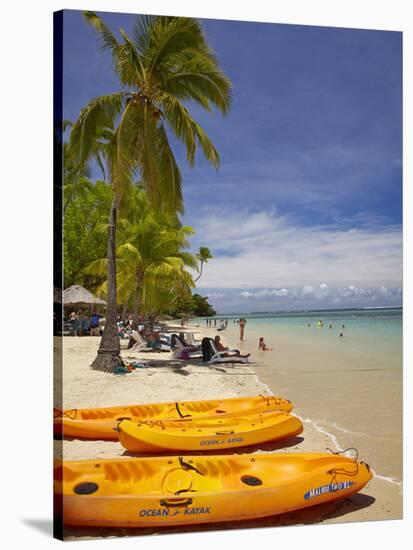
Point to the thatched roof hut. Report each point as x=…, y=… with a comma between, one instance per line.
x=77, y=295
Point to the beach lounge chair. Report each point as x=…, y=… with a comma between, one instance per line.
x=141, y=345
x=211, y=354
x=190, y=336
x=180, y=350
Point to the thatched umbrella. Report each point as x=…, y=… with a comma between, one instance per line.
x=77, y=295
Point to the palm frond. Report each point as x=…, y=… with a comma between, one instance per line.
x=100, y=113
x=130, y=249
x=128, y=63
x=195, y=75
x=170, y=181
x=97, y=268
x=187, y=130
x=171, y=35
x=142, y=32
x=107, y=39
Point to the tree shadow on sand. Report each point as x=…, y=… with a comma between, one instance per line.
x=309, y=516
x=176, y=365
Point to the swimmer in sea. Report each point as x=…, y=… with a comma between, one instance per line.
x=262, y=346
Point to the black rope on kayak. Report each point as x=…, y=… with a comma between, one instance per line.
x=152, y=423
x=266, y=398
x=345, y=451
x=179, y=411
x=335, y=471
x=71, y=414
x=187, y=466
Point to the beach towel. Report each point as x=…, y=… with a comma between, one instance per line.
x=206, y=349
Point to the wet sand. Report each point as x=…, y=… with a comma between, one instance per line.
x=328, y=402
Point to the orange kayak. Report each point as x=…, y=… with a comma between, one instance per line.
x=99, y=423
x=152, y=436
x=162, y=491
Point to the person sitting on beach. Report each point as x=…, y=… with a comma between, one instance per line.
x=226, y=351
x=188, y=346
x=262, y=346
x=153, y=340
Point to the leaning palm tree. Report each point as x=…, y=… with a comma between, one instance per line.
x=203, y=255
x=163, y=66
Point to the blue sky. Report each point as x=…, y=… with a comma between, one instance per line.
x=305, y=210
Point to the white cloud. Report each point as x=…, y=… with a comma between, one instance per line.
x=269, y=252
x=215, y=295
x=247, y=294
x=307, y=290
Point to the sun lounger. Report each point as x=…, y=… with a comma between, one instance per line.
x=180, y=350
x=211, y=354
x=141, y=345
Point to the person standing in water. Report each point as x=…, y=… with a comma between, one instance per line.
x=242, y=323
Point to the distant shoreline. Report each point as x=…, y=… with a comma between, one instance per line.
x=300, y=311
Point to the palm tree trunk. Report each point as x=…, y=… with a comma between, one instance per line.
x=137, y=301
x=108, y=356
x=200, y=272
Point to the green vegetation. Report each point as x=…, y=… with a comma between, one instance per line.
x=84, y=240
x=165, y=66
x=195, y=305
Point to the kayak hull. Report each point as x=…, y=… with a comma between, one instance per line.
x=164, y=491
x=100, y=422
x=206, y=434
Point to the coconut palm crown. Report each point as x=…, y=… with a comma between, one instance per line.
x=166, y=64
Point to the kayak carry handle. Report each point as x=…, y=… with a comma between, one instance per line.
x=178, y=410
x=187, y=466
x=176, y=502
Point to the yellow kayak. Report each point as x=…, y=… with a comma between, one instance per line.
x=147, y=436
x=161, y=491
x=99, y=423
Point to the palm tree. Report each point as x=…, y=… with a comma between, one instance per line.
x=163, y=66
x=151, y=258
x=203, y=255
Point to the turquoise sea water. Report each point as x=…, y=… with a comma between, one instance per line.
x=349, y=387
x=372, y=333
